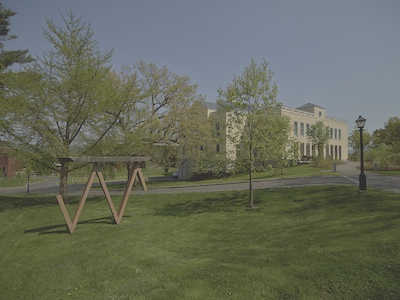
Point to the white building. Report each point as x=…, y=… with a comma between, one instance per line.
x=306, y=115
x=301, y=119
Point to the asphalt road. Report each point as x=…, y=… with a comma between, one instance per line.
x=346, y=174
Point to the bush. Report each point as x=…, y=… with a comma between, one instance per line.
x=326, y=162
x=209, y=167
x=385, y=155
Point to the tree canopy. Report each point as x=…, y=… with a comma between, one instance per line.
x=69, y=102
x=65, y=102
x=389, y=134
x=319, y=136
x=8, y=58
x=249, y=101
x=386, y=144
x=354, y=141
x=162, y=110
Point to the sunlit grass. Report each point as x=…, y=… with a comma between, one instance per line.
x=328, y=242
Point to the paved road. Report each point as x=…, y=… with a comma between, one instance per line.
x=350, y=171
x=346, y=174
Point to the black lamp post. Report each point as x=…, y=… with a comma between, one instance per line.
x=362, y=178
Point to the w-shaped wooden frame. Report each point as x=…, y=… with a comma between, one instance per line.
x=137, y=172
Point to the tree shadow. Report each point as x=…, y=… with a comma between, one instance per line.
x=220, y=203
x=19, y=201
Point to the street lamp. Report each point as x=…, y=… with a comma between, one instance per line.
x=362, y=178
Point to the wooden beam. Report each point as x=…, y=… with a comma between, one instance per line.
x=71, y=224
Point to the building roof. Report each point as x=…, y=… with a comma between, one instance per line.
x=211, y=105
x=309, y=105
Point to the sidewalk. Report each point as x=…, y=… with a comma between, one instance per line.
x=350, y=170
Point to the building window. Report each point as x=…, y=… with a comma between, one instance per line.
x=302, y=129
x=335, y=134
x=307, y=129
x=340, y=134
x=217, y=129
x=217, y=148
x=296, y=128
x=331, y=133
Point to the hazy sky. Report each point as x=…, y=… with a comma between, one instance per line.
x=342, y=55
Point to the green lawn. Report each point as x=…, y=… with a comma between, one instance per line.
x=297, y=171
x=17, y=182
x=389, y=173
x=328, y=242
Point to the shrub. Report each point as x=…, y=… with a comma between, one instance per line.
x=208, y=167
x=385, y=155
x=326, y=162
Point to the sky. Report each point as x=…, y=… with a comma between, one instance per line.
x=343, y=55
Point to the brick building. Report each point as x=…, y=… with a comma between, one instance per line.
x=7, y=165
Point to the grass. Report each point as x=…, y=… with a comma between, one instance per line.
x=389, y=173
x=120, y=174
x=327, y=242
x=297, y=171
x=17, y=182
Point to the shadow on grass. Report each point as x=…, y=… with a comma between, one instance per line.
x=55, y=229
x=220, y=203
x=340, y=198
x=20, y=201
x=15, y=201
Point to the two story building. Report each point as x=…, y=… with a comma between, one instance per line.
x=306, y=115
x=301, y=119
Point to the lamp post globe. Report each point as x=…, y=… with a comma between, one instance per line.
x=360, y=122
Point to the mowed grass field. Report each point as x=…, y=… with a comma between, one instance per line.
x=325, y=242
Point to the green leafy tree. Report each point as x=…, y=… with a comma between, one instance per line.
x=260, y=133
x=8, y=58
x=195, y=133
x=386, y=143
x=354, y=141
x=66, y=102
x=319, y=136
x=160, y=116
x=389, y=134
x=167, y=100
x=384, y=154
x=211, y=161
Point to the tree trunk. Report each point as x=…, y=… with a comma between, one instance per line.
x=251, y=196
x=63, y=181
x=321, y=151
x=130, y=167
